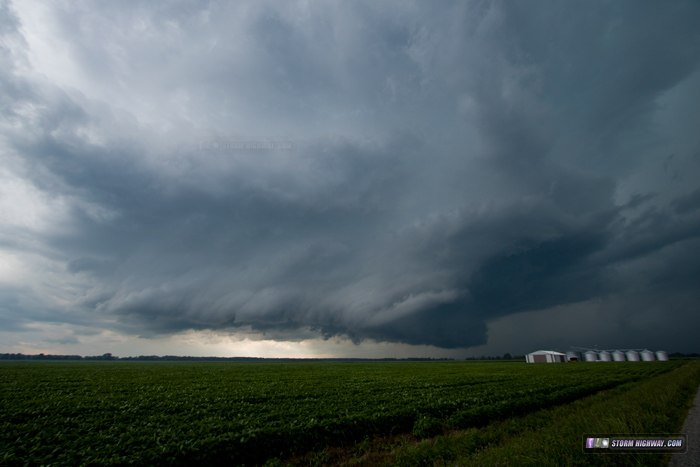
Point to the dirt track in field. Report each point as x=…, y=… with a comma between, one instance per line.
x=691, y=427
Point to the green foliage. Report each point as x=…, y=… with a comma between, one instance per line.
x=274, y=462
x=553, y=437
x=140, y=413
x=427, y=427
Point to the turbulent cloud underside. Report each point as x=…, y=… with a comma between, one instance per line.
x=449, y=167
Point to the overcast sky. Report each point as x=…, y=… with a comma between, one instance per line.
x=441, y=180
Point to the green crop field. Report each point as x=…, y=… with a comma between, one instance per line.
x=246, y=413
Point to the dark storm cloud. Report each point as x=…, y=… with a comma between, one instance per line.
x=449, y=167
x=688, y=203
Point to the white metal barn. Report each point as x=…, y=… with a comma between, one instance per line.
x=545, y=356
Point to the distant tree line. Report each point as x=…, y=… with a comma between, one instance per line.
x=41, y=356
x=176, y=358
x=684, y=355
x=505, y=356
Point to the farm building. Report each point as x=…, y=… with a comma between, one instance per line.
x=545, y=356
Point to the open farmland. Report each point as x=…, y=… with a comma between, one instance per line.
x=138, y=413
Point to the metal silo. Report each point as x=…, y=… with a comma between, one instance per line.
x=618, y=356
x=591, y=356
x=661, y=356
x=647, y=355
x=604, y=356
x=574, y=356
x=632, y=355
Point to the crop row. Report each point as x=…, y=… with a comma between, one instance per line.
x=119, y=413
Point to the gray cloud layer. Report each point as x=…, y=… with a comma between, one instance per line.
x=450, y=166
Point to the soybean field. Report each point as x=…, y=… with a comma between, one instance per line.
x=248, y=413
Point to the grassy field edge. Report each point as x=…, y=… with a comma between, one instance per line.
x=548, y=437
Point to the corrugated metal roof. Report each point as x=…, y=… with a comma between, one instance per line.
x=543, y=352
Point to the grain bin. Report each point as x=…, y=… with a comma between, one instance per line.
x=574, y=356
x=647, y=355
x=604, y=356
x=618, y=356
x=591, y=356
x=661, y=356
x=632, y=355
